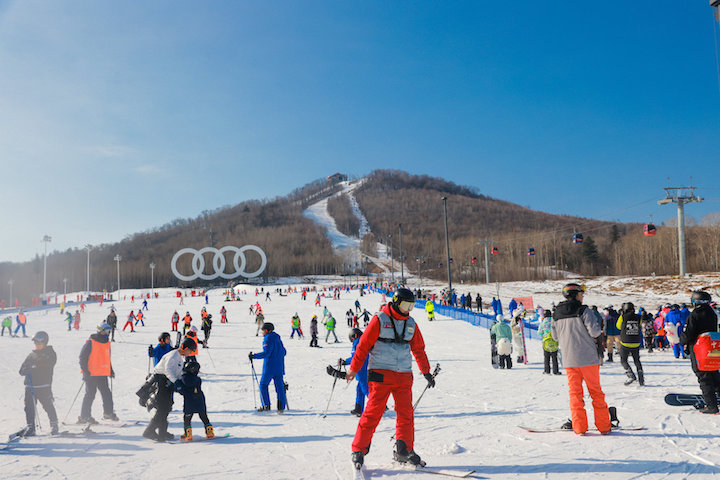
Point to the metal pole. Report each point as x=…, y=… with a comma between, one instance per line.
x=152, y=279
x=65, y=284
x=10, y=282
x=447, y=247
x=117, y=259
x=681, y=234
x=392, y=261
x=487, y=262
x=46, y=239
x=402, y=260
x=88, y=269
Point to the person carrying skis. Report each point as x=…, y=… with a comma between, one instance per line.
x=362, y=389
x=503, y=340
x=575, y=328
x=189, y=386
x=429, y=308
x=629, y=325
x=702, y=319
x=391, y=340
x=174, y=321
x=96, y=367
x=38, y=371
x=314, y=331
x=163, y=347
x=295, y=323
x=165, y=374
x=130, y=321
x=273, y=368
x=550, y=345
x=112, y=321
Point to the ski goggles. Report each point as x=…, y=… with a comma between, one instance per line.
x=406, y=306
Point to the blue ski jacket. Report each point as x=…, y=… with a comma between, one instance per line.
x=362, y=373
x=273, y=354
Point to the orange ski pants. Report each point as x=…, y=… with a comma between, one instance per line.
x=591, y=376
x=399, y=384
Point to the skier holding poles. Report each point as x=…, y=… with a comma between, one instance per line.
x=38, y=371
x=393, y=336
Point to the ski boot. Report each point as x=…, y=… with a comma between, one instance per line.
x=54, y=430
x=187, y=437
x=641, y=378
x=150, y=434
x=609, y=359
x=28, y=431
x=88, y=420
x=264, y=408
x=567, y=425
x=209, y=432
x=358, y=458
x=614, y=422
x=280, y=407
x=111, y=416
x=402, y=455
x=631, y=379
x=357, y=411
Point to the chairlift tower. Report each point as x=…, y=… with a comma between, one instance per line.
x=681, y=196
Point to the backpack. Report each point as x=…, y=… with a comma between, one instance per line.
x=550, y=344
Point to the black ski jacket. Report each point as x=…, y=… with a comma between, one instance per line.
x=38, y=367
x=702, y=319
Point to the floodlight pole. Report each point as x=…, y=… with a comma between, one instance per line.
x=681, y=196
x=117, y=259
x=46, y=239
x=88, y=247
x=487, y=259
x=447, y=247
x=152, y=280
x=402, y=259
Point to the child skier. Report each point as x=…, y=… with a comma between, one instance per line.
x=189, y=386
x=130, y=320
x=76, y=319
x=295, y=323
x=549, y=344
x=503, y=337
x=314, y=331
x=362, y=389
x=174, y=321
x=7, y=323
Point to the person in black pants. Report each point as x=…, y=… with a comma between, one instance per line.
x=630, y=337
x=38, y=371
x=702, y=319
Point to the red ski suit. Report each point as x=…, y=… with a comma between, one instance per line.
x=383, y=382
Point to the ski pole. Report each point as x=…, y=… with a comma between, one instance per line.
x=211, y=359
x=434, y=374
x=254, y=378
x=331, y=392
x=36, y=420
x=74, y=400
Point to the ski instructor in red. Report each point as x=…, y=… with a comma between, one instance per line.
x=391, y=336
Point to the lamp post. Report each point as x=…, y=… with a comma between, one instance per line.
x=402, y=258
x=152, y=279
x=88, y=247
x=117, y=259
x=10, y=282
x=447, y=246
x=65, y=286
x=392, y=260
x=46, y=239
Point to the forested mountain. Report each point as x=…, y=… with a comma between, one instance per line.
x=390, y=200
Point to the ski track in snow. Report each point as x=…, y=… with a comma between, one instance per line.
x=467, y=422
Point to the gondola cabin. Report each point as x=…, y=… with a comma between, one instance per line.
x=495, y=250
x=577, y=238
x=531, y=252
x=649, y=230
x=474, y=260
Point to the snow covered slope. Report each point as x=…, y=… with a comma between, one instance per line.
x=467, y=422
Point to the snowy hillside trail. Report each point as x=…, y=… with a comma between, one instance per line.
x=467, y=422
x=345, y=246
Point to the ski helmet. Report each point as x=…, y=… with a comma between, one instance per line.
x=354, y=333
x=700, y=297
x=404, y=299
x=192, y=368
x=165, y=335
x=628, y=307
x=572, y=289
x=104, y=329
x=268, y=326
x=41, y=337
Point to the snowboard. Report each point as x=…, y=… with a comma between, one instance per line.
x=683, y=399
x=494, y=357
x=522, y=336
x=199, y=439
x=630, y=428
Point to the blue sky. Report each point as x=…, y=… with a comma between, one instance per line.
x=116, y=117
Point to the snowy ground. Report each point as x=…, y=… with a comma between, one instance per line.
x=468, y=422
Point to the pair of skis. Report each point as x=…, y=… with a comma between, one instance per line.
x=361, y=474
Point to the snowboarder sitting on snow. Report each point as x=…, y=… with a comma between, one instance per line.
x=189, y=386
x=503, y=341
x=273, y=367
x=362, y=387
x=38, y=371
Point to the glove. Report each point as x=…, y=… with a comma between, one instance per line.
x=335, y=373
x=250, y=356
x=112, y=374
x=287, y=387
x=341, y=361
x=150, y=351
x=430, y=379
x=686, y=349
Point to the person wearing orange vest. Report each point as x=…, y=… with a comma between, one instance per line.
x=187, y=319
x=139, y=318
x=96, y=367
x=192, y=335
x=21, y=320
